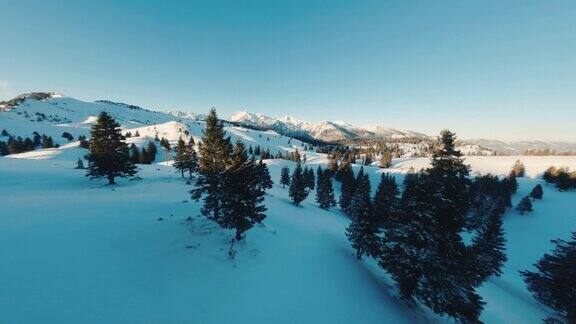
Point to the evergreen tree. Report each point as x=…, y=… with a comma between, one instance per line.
x=423, y=249
x=525, y=205
x=3, y=148
x=324, y=189
x=537, y=192
x=298, y=190
x=309, y=179
x=519, y=169
x=347, y=185
x=134, y=154
x=242, y=203
x=191, y=165
x=386, y=200
x=386, y=159
x=554, y=282
x=137, y=134
x=264, y=176
x=182, y=157
x=109, y=157
x=215, y=153
x=80, y=164
x=487, y=249
x=550, y=174
x=82, y=139
x=152, y=150
x=364, y=229
x=285, y=177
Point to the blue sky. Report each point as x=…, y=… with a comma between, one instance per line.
x=485, y=69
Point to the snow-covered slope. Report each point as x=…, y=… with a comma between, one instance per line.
x=532, y=147
x=76, y=251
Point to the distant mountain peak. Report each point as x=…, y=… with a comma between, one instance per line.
x=16, y=101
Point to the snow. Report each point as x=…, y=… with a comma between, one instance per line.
x=76, y=251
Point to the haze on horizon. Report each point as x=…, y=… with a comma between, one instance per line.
x=484, y=70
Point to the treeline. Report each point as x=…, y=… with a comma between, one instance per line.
x=14, y=145
x=146, y=155
x=562, y=178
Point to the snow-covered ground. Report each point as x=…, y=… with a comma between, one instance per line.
x=76, y=251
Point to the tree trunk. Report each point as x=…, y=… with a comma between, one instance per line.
x=111, y=180
x=238, y=235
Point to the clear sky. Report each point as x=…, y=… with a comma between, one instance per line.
x=485, y=69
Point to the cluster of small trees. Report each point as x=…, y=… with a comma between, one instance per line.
x=525, y=204
x=186, y=159
x=146, y=155
x=416, y=237
x=562, y=178
x=17, y=144
x=231, y=184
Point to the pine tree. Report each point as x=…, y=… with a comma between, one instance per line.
x=215, y=153
x=324, y=189
x=144, y=157
x=386, y=200
x=134, y=154
x=242, y=203
x=264, y=176
x=79, y=164
x=309, y=179
x=385, y=160
x=152, y=151
x=487, y=249
x=182, y=157
x=537, y=192
x=298, y=190
x=285, y=177
x=109, y=156
x=519, y=169
x=423, y=249
x=525, y=205
x=554, y=282
x=191, y=165
x=82, y=139
x=137, y=134
x=364, y=229
x=347, y=185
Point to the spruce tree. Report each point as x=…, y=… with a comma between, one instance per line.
x=145, y=157
x=243, y=197
x=309, y=178
x=152, y=151
x=182, y=157
x=264, y=176
x=519, y=169
x=525, y=205
x=191, y=165
x=386, y=200
x=215, y=153
x=385, y=160
x=79, y=164
x=537, y=192
x=423, y=249
x=285, y=177
x=298, y=190
x=134, y=154
x=347, y=185
x=554, y=282
x=363, y=229
x=109, y=155
x=324, y=189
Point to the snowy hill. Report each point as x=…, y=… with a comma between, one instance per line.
x=77, y=251
x=523, y=147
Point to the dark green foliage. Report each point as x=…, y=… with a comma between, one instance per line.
x=386, y=200
x=309, y=179
x=364, y=228
x=152, y=150
x=554, y=282
x=79, y=164
x=324, y=189
x=134, y=154
x=524, y=206
x=109, y=155
x=264, y=175
x=83, y=142
x=215, y=154
x=298, y=190
x=346, y=176
x=181, y=157
x=285, y=177
x=243, y=203
x=537, y=192
x=3, y=148
x=422, y=246
x=67, y=136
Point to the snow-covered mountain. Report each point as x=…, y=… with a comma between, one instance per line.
x=526, y=147
x=327, y=131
